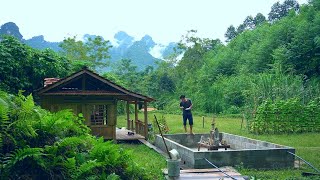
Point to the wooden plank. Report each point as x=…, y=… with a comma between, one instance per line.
x=122, y=134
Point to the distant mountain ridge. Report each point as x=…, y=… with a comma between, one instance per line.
x=144, y=52
x=38, y=42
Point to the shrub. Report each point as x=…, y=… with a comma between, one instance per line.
x=37, y=144
x=287, y=116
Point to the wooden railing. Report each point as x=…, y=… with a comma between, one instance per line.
x=139, y=127
x=130, y=123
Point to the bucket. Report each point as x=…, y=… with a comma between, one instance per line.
x=174, y=154
x=173, y=167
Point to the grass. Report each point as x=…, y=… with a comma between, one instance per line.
x=150, y=160
x=307, y=145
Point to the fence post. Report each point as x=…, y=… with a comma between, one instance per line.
x=202, y=121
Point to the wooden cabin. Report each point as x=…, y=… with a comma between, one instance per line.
x=96, y=98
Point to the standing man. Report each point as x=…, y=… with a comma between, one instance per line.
x=186, y=106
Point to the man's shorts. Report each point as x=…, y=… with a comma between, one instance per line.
x=189, y=117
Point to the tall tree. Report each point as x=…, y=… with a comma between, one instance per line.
x=24, y=68
x=98, y=49
x=291, y=5
x=249, y=23
x=127, y=72
x=259, y=19
x=93, y=52
x=241, y=28
x=194, y=49
x=74, y=49
x=231, y=33
x=279, y=11
x=276, y=13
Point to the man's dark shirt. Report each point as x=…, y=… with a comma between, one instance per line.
x=186, y=105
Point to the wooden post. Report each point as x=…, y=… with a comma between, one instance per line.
x=115, y=119
x=136, y=116
x=202, y=121
x=128, y=116
x=145, y=120
x=242, y=119
x=131, y=122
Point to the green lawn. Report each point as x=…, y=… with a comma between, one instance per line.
x=150, y=160
x=307, y=145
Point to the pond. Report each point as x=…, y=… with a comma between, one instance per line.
x=246, y=152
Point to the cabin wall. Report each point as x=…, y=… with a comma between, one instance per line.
x=84, y=105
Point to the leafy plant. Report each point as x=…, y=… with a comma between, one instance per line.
x=286, y=116
x=36, y=144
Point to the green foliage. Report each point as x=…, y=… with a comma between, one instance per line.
x=277, y=60
x=287, y=116
x=36, y=144
x=92, y=53
x=279, y=11
x=162, y=124
x=20, y=159
x=25, y=68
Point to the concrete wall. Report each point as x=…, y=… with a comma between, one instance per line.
x=245, y=152
x=187, y=155
x=186, y=139
x=240, y=142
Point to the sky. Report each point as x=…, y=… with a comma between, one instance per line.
x=164, y=20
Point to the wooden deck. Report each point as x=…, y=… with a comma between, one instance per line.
x=124, y=135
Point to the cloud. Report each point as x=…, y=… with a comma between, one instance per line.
x=157, y=50
x=114, y=42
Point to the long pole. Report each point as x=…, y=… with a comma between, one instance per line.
x=304, y=161
x=162, y=137
x=219, y=169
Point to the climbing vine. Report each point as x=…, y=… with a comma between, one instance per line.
x=286, y=116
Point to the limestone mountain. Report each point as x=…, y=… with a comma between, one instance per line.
x=122, y=41
x=10, y=28
x=169, y=49
x=141, y=52
x=38, y=42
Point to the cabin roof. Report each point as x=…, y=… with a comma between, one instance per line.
x=118, y=91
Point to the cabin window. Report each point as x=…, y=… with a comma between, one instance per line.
x=99, y=115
